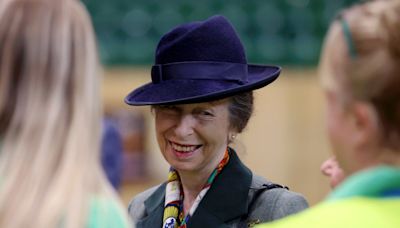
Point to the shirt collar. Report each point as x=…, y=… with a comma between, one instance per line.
x=373, y=182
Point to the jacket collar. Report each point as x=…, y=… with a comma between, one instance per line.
x=224, y=201
x=154, y=206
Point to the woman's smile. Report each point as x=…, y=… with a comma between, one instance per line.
x=183, y=151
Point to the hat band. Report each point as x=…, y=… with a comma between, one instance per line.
x=200, y=70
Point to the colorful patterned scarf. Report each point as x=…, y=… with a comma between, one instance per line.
x=173, y=210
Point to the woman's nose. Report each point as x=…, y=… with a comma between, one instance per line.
x=184, y=126
x=326, y=167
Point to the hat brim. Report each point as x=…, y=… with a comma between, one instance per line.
x=178, y=91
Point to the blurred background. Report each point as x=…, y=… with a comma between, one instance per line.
x=285, y=140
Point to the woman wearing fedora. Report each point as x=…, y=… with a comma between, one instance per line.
x=201, y=97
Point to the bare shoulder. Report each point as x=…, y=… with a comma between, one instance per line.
x=136, y=206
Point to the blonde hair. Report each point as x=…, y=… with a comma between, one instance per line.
x=49, y=115
x=373, y=73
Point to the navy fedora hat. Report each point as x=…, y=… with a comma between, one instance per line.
x=198, y=62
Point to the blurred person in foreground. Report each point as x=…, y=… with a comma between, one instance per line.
x=360, y=72
x=201, y=96
x=50, y=169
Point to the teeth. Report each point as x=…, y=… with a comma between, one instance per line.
x=183, y=148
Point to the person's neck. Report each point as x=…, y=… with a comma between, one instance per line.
x=192, y=184
x=383, y=157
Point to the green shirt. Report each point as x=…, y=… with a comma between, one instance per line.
x=105, y=213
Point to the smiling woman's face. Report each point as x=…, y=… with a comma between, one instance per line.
x=193, y=137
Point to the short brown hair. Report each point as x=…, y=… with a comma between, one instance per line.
x=240, y=110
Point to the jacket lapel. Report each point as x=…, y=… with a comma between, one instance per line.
x=226, y=200
x=154, y=208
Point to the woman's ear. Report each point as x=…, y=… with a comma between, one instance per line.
x=365, y=124
x=232, y=136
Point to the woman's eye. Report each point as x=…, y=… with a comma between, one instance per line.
x=206, y=113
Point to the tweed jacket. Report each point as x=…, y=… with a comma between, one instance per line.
x=237, y=198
